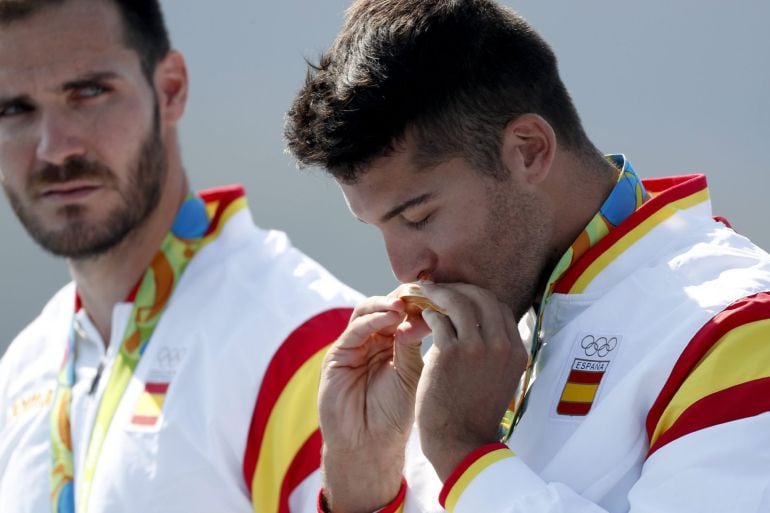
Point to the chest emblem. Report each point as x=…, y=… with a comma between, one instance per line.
x=31, y=403
x=149, y=405
x=148, y=411
x=590, y=360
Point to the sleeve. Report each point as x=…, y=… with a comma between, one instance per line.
x=283, y=450
x=709, y=433
x=709, y=428
x=492, y=478
x=395, y=506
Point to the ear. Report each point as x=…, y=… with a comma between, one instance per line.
x=528, y=147
x=171, y=86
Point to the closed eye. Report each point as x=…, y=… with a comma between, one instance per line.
x=417, y=225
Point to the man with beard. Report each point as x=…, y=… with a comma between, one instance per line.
x=646, y=383
x=178, y=372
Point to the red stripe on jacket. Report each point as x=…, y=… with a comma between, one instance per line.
x=734, y=403
x=300, y=346
x=746, y=310
x=664, y=191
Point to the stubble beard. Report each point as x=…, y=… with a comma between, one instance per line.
x=82, y=240
x=520, y=239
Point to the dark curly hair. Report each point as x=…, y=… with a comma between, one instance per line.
x=451, y=72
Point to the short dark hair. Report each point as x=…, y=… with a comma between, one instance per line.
x=144, y=28
x=451, y=72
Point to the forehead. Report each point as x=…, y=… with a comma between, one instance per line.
x=395, y=182
x=61, y=40
x=384, y=182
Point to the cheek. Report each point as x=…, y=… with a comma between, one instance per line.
x=460, y=242
x=124, y=121
x=462, y=256
x=17, y=158
x=119, y=136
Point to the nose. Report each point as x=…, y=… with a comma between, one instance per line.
x=60, y=137
x=409, y=258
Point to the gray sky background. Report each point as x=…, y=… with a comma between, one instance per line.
x=679, y=86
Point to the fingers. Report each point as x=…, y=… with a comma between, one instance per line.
x=377, y=304
x=407, y=362
x=377, y=314
x=361, y=328
x=444, y=333
x=411, y=331
x=475, y=317
x=476, y=314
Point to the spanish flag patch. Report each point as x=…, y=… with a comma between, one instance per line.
x=581, y=387
x=150, y=405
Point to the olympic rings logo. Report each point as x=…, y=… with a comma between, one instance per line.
x=601, y=346
x=170, y=357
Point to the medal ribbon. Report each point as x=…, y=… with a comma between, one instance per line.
x=624, y=199
x=180, y=245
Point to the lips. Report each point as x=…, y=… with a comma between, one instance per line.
x=65, y=187
x=68, y=190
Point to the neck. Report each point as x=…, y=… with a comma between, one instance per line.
x=578, y=186
x=586, y=185
x=106, y=280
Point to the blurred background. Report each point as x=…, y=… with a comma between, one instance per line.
x=680, y=87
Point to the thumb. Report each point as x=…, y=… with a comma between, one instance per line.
x=407, y=357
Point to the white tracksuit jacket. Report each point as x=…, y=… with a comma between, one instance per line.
x=232, y=370
x=653, y=388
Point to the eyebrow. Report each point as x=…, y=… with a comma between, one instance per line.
x=405, y=205
x=10, y=100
